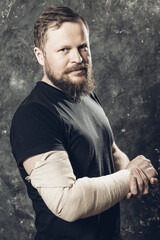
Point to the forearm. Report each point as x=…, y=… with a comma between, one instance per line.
x=120, y=158
x=72, y=199
x=87, y=196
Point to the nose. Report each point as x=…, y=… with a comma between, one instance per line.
x=76, y=56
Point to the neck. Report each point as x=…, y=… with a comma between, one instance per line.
x=46, y=80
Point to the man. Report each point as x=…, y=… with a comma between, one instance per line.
x=62, y=140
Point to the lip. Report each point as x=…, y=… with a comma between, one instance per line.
x=79, y=70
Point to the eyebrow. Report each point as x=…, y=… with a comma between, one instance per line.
x=70, y=46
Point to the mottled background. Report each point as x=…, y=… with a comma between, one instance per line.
x=125, y=44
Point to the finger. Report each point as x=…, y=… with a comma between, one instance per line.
x=150, y=172
x=146, y=166
x=151, y=166
x=136, y=173
x=153, y=181
x=145, y=182
x=128, y=196
x=133, y=184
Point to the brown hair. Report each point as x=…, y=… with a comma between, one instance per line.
x=53, y=17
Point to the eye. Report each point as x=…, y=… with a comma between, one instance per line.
x=83, y=47
x=64, y=50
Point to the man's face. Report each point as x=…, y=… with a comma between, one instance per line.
x=67, y=59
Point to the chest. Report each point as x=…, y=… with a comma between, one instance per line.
x=87, y=136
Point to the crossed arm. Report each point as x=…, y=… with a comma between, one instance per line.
x=52, y=175
x=142, y=171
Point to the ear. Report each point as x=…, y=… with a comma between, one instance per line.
x=39, y=56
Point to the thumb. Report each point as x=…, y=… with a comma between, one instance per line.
x=153, y=181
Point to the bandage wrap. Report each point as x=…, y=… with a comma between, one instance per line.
x=70, y=198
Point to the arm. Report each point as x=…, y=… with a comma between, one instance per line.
x=52, y=175
x=120, y=159
x=141, y=168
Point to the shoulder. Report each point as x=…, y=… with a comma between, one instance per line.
x=34, y=130
x=33, y=110
x=32, y=118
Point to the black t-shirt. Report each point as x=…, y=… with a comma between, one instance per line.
x=48, y=120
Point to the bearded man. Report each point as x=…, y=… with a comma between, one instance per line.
x=63, y=143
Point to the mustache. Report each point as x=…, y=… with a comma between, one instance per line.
x=83, y=67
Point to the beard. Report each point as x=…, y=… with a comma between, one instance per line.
x=73, y=88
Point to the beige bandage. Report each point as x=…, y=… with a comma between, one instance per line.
x=70, y=198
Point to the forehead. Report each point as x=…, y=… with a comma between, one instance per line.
x=69, y=32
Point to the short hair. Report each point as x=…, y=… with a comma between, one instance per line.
x=53, y=17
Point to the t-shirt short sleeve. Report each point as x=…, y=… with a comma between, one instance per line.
x=35, y=129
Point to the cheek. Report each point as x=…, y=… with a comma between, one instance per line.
x=87, y=57
x=58, y=63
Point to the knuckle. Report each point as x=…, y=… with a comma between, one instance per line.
x=133, y=170
x=148, y=160
x=142, y=157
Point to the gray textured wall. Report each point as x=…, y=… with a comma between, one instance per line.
x=125, y=44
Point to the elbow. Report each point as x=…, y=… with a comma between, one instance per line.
x=69, y=211
x=66, y=213
x=64, y=205
x=68, y=218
